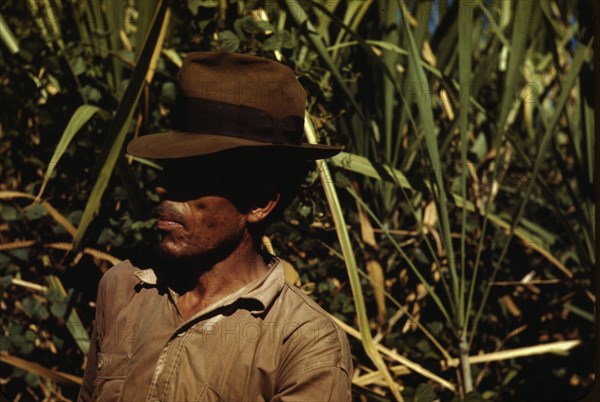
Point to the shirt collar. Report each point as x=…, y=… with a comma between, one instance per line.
x=263, y=289
x=147, y=276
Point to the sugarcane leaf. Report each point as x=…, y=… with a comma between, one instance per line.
x=80, y=117
x=121, y=123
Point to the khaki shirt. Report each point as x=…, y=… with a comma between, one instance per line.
x=265, y=342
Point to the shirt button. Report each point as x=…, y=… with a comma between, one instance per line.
x=100, y=364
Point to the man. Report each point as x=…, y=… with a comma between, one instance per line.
x=215, y=320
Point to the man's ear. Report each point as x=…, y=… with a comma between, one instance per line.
x=267, y=199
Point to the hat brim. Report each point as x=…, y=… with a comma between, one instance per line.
x=181, y=144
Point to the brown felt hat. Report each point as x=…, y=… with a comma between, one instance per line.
x=230, y=100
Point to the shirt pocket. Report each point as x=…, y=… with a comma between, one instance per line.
x=112, y=371
x=208, y=394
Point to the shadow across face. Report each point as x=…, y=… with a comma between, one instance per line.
x=233, y=176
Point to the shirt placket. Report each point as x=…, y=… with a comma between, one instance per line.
x=171, y=376
x=166, y=373
x=167, y=358
x=166, y=370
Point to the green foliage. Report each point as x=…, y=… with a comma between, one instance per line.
x=469, y=140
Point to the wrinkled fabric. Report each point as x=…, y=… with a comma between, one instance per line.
x=265, y=342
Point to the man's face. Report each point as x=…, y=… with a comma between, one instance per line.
x=203, y=211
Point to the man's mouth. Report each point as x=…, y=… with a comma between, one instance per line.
x=167, y=224
x=167, y=220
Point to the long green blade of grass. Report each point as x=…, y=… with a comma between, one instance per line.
x=353, y=9
x=8, y=37
x=350, y=260
x=464, y=74
x=82, y=115
x=391, y=142
x=115, y=13
x=364, y=166
x=120, y=124
x=426, y=118
x=74, y=324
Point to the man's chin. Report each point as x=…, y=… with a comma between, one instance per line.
x=170, y=252
x=167, y=251
x=169, y=255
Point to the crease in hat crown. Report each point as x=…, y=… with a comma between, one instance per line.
x=241, y=79
x=230, y=100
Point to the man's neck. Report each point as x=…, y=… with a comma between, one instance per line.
x=203, y=283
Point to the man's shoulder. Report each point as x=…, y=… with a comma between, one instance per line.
x=117, y=287
x=301, y=310
x=120, y=275
x=121, y=270
x=312, y=338
x=300, y=303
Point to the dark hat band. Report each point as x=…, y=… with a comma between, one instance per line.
x=215, y=117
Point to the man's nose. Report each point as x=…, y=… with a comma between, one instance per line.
x=162, y=192
x=166, y=193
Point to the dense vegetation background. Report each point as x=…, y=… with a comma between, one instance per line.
x=454, y=239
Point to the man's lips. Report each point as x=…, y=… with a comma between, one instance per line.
x=167, y=224
x=168, y=217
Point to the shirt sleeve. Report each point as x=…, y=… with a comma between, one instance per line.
x=89, y=377
x=91, y=368
x=329, y=383
x=316, y=365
